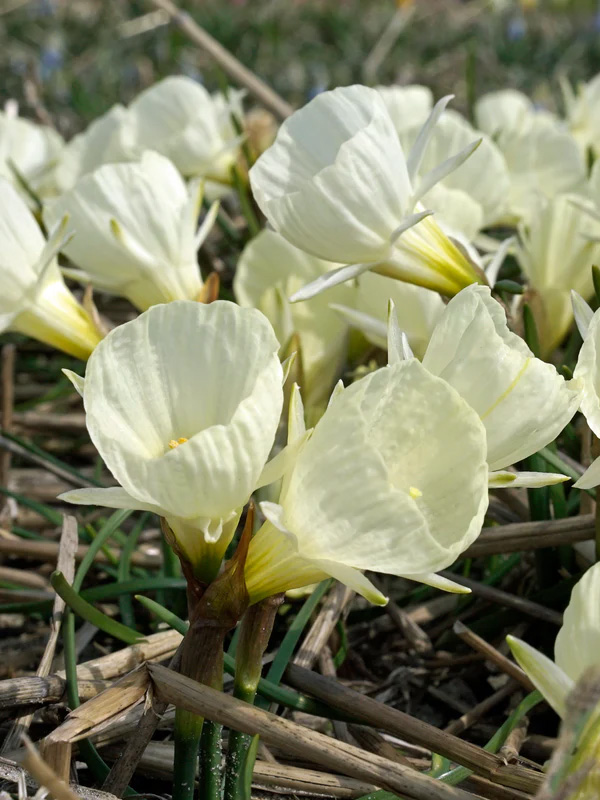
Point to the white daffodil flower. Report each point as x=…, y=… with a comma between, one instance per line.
x=462, y=201
x=33, y=297
x=183, y=404
x=577, y=645
x=178, y=118
x=105, y=141
x=268, y=271
x=336, y=183
x=522, y=401
x=501, y=112
x=418, y=310
x=135, y=231
x=27, y=152
x=408, y=106
x=543, y=158
x=582, y=112
x=556, y=251
x=393, y=478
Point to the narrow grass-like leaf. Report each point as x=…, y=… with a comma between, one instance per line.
x=87, y=611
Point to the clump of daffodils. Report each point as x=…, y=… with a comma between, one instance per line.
x=392, y=223
x=388, y=315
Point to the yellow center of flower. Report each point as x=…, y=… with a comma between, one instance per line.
x=415, y=493
x=176, y=442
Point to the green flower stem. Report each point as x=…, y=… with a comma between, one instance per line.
x=255, y=632
x=201, y=660
x=188, y=730
x=210, y=775
x=241, y=188
x=214, y=609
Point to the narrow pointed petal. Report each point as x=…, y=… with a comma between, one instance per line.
x=438, y=582
x=413, y=162
x=337, y=390
x=112, y=497
x=296, y=423
x=77, y=381
x=287, y=365
x=353, y=578
x=395, y=344
x=207, y=224
x=582, y=312
x=493, y=268
x=330, y=279
x=374, y=329
x=545, y=675
x=444, y=169
x=409, y=222
x=282, y=463
x=591, y=477
x=503, y=479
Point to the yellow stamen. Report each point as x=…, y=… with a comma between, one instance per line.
x=415, y=493
x=176, y=442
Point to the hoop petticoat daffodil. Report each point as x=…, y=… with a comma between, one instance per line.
x=408, y=106
x=104, y=141
x=587, y=371
x=28, y=152
x=393, y=478
x=33, y=297
x=183, y=404
x=178, y=118
x=543, y=158
x=556, y=251
x=577, y=645
x=522, y=401
x=336, y=183
x=135, y=231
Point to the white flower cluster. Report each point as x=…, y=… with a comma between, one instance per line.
x=380, y=206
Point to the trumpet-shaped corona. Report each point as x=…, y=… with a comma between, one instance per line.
x=182, y=404
x=522, y=401
x=178, y=118
x=393, y=478
x=135, y=231
x=34, y=299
